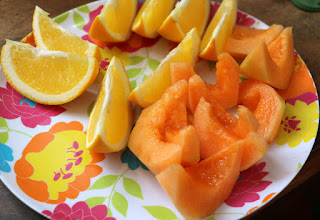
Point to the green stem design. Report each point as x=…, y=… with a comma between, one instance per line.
x=145, y=66
x=8, y=129
x=114, y=185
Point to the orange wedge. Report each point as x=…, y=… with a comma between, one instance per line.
x=47, y=77
x=186, y=15
x=151, y=16
x=49, y=35
x=152, y=88
x=110, y=121
x=114, y=22
x=218, y=31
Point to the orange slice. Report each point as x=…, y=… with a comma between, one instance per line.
x=218, y=31
x=110, y=121
x=114, y=22
x=152, y=88
x=47, y=77
x=186, y=15
x=151, y=16
x=49, y=35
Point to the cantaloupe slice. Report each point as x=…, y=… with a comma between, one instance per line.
x=157, y=138
x=180, y=70
x=240, y=126
x=266, y=105
x=254, y=148
x=213, y=135
x=244, y=39
x=226, y=89
x=273, y=64
x=196, y=191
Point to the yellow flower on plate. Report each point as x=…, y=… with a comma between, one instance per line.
x=298, y=123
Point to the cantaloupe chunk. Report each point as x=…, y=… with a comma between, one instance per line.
x=273, y=64
x=254, y=148
x=179, y=71
x=158, y=136
x=226, y=89
x=213, y=135
x=197, y=191
x=266, y=105
x=244, y=39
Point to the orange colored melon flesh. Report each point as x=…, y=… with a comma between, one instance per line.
x=254, y=148
x=226, y=89
x=244, y=39
x=266, y=104
x=197, y=191
x=156, y=138
x=213, y=135
x=179, y=71
x=241, y=127
x=246, y=123
x=188, y=139
x=273, y=64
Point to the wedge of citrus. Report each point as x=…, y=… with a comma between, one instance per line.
x=151, y=16
x=152, y=88
x=47, y=77
x=49, y=35
x=186, y=15
x=110, y=121
x=114, y=22
x=218, y=31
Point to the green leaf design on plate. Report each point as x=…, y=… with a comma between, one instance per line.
x=133, y=84
x=144, y=77
x=78, y=20
x=120, y=203
x=4, y=137
x=104, y=182
x=84, y=8
x=298, y=169
x=160, y=212
x=211, y=64
x=211, y=218
x=3, y=123
x=90, y=108
x=153, y=64
x=132, y=187
x=133, y=72
x=93, y=201
x=61, y=18
x=136, y=59
x=109, y=212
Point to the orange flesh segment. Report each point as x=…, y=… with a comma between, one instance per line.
x=179, y=71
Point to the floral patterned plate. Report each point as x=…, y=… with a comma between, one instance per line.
x=43, y=159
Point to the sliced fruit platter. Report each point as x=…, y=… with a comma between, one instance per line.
x=156, y=114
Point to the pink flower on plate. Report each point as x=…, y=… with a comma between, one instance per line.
x=242, y=18
x=14, y=105
x=79, y=211
x=248, y=185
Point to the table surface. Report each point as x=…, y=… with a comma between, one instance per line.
x=15, y=23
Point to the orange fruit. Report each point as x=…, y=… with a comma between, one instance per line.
x=114, y=22
x=110, y=121
x=47, y=77
x=49, y=35
x=186, y=15
x=219, y=30
x=151, y=16
x=152, y=88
